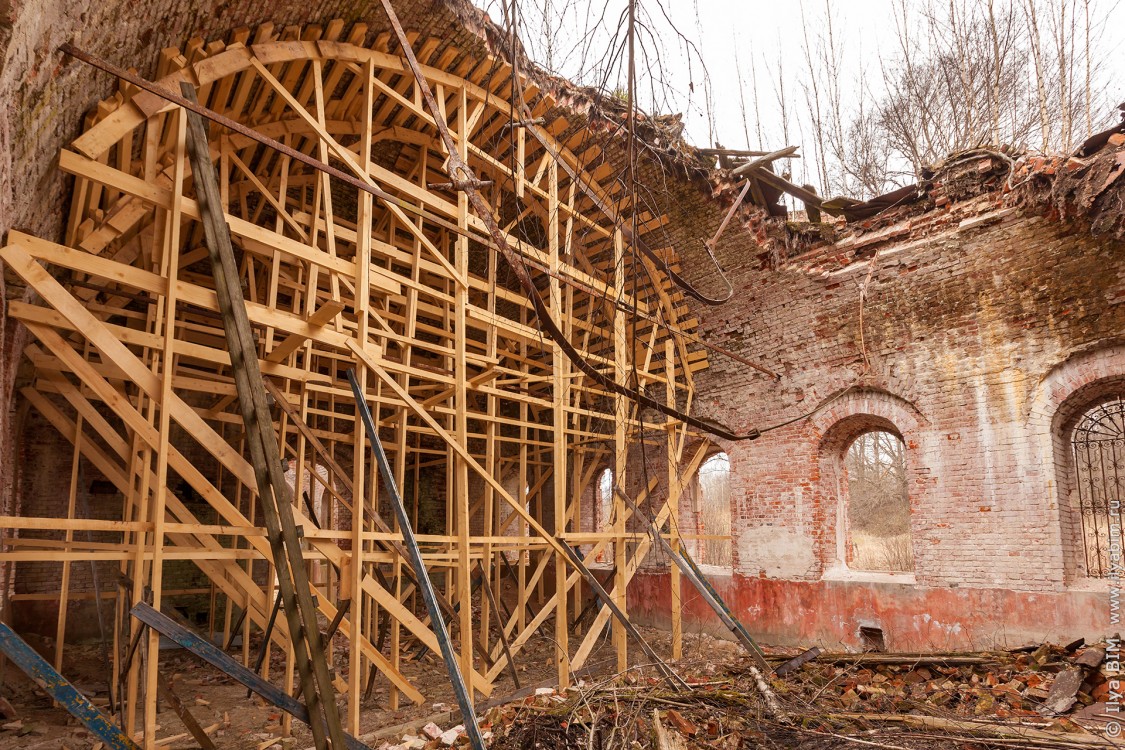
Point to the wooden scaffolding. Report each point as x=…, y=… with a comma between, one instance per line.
x=493, y=432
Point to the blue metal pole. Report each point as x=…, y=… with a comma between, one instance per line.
x=207, y=651
x=464, y=702
x=59, y=688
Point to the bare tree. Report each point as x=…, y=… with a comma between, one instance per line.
x=967, y=73
x=713, y=511
x=878, y=502
x=852, y=156
x=742, y=96
x=819, y=62
x=957, y=74
x=757, y=110
x=1086, y=54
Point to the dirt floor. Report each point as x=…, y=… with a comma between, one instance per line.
x=835, y=701
x=215, y=699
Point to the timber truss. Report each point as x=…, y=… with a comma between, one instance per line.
x=482, y=415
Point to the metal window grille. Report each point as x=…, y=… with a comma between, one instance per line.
x=1099, y=461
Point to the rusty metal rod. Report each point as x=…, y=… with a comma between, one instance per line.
x=425, y=587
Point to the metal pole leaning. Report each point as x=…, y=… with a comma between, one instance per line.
x=692, y=572
x=208, y=652
x=503, y=636
x=464, y=701
x=702, y=585
x=266, y=637
x=59, y=688
x=740, y=629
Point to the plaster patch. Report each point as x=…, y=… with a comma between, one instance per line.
x=780, y=553
x=948, y=628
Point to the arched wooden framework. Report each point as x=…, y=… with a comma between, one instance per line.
x=131, y=363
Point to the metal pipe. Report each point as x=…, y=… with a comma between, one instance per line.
x=464, y=700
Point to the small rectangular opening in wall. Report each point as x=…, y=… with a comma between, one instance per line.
x=872, y=638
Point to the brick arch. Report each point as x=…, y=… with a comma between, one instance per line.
x=845, y=417
x=1064, y=394
x=835, y=428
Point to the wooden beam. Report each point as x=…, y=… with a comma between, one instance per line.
x=273, y=490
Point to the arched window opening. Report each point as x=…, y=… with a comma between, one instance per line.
x=712, y=513
x=315, y=503
x=878, y=508
x=604, y=514
x=1098, y=443
x=510, y=523
x=312, y=489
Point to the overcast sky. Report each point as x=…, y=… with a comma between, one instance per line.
x=766, y=38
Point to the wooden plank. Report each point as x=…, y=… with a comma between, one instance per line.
x=147, y=281
x=27, y=313
x=672, y=458
x=377, y=520
x=165, y=314
x=192, y=475
x=603, y=615
x=207, y=437
x=273, y=490
x=255, y=236
x=559, y=547
x=113, y=472
x=181, y=711
x=432, y=337
x=319, y=319
x=491, y=597
x=780, y=183
x=464, y=699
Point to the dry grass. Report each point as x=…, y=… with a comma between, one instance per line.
x=715, y=511
x=892, y=554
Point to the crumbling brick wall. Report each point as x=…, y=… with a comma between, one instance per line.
x=966, y=309
x=960, y=329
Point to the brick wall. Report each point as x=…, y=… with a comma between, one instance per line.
x=960, y=331
x=986, y=331
x=43, y=480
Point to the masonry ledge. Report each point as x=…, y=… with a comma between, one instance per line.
x=924, y=618
x=844, y=573
x=712, y=571
x=1092, y=585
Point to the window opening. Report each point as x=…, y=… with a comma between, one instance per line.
x=878, y=504
x=1099, y=461
x=713, y=512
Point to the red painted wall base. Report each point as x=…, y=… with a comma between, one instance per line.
x=912, y=617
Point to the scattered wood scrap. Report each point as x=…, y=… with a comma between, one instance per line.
x=949, y=660
x=902, y=701
x=797, y=662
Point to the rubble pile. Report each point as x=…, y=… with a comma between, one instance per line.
x=1044, y=696
x=1090, y=188
x=998, y=684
